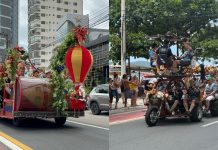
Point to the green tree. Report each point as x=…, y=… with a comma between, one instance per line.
x=206, y=42
x=151, y=17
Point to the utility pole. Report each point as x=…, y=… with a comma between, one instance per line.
x=123, y=37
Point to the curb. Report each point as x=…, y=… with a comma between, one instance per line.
x=127, y=109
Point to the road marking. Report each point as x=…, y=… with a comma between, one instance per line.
x=124, y=121
x=209, y=124
x=12, y=143
x=89, y=125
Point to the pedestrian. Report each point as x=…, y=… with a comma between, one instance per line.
x=113, y=93
x=126, y=89
x=134, y=83
x=122, y=89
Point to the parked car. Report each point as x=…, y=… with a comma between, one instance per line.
x=99, y=99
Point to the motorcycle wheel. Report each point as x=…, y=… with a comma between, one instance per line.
x=151, y=116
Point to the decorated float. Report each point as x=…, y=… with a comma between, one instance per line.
x=59, y=97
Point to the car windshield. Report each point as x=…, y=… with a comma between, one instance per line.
x=102, y=89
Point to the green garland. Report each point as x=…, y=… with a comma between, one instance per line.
x=11, y=67
x=61, y=86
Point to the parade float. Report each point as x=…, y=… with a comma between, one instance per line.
x=59, y=97
x=160, y=99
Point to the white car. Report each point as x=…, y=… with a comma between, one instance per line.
x=99, y=99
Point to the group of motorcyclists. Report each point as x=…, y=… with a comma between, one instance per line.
x=195, y=89
x=187, y=94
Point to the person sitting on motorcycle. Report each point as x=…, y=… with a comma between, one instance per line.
x=186, y=58
x=176, y=95
x=165, y=55
x=210, y=90
x=192, y=94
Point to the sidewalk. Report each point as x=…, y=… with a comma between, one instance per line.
x=121, y=109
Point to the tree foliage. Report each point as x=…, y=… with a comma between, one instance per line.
x=152, y=17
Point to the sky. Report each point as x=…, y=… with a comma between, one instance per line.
x=89, y=7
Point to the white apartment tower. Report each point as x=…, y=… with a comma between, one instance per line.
x=44, y=17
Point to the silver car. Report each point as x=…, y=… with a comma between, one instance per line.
x=99, y=99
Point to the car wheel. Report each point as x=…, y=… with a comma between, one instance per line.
x=18, y=122
x=151, y=116
x=95, y=108
x=196, y=114
x=60, y=121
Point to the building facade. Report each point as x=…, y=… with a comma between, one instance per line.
x=8, y=26
x=99, y=48
x=44, y=17
x=65, y=26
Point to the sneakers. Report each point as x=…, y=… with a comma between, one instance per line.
x=207, y=111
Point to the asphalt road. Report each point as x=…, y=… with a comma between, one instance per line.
x=170, y=134
x=87, y=133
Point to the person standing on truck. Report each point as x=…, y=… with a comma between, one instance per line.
x=165, y=55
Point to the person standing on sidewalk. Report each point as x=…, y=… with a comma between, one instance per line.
x=122, y=89
x=112, y=93
x=134, y=83
x=126, y=89
x=113, y=87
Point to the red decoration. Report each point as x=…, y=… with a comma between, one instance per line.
x=80, y=33
x=18, y=48
x=77, y=104
x=78, y=61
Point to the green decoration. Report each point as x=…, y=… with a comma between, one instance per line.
x=61, y=85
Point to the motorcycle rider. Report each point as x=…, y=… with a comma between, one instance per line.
x=165, y=55
x=176, y=95
x=192, y=94
x=186, y=58
x=210, y=89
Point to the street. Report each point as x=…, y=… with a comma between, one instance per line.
x=86, y=133
x=169, y=134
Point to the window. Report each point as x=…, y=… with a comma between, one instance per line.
x=42, y=52
x=66, y=3
x=75, y=4
x=42, y=22
x=42, y=30
x=58, y=1
x=43, y=15
x=58, y=9
x=66, y=10
x=58, y=16
x=44, y=7
x=102, y=89
x=75, y=11
x=42, y=60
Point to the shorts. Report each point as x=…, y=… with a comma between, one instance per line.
x=132, y=93
x=112, y=94
x=209, y=98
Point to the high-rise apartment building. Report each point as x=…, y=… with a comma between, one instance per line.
x=44, y=17
x=8, y=26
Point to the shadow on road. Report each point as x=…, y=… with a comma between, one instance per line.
x=176, y=122
x=36, y=124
